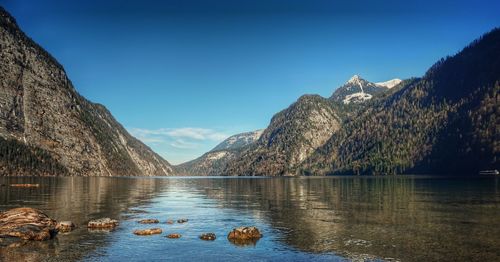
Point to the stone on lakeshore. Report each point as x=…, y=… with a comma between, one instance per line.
x=27, y=224
x=244, y=233
x=170, y=222
x=149, y=221
x=182, y=220
x=65, y=226
x=174, y=235
x=208, y=236
x=107, y=223
x=149, y=231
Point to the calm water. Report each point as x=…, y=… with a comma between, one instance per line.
x=315, y=219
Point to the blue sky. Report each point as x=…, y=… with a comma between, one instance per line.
x=184, y=75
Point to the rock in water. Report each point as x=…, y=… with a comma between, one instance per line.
x=174, y=235
x=149, y=221
x=103, y=223
x=146, y=232
x=208, y=236
x=27, y=223
x=65, y=226
x=243, y=236
x=182, y=220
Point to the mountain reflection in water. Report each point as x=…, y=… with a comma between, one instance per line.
x=404, y=218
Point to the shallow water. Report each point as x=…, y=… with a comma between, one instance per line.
x=315, y=219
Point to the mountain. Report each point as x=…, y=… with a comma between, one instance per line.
x=213, y=162
x=291, y=137
x=239, y=140
x=47, y=128
x=443, y=123
x=358, y=90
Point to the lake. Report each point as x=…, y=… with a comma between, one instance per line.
x=312, y=218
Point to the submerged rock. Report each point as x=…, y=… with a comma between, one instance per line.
x=182, y=220
x=27, y=224
x=174, y=235
x=149, y=231
x=65, y=226
x=149, y=221
x=170, y=222
x=208, y=236
x=103, y=223
x=244, y=236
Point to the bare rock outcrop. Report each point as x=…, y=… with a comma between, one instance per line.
x=27, y=224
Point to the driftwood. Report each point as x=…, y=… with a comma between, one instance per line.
x=27, y=223
x=24, y=185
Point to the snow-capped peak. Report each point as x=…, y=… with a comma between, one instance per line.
x=390, y=84
x=354, y=79
x=358, y=90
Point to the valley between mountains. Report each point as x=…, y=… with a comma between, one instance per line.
x=444, y=122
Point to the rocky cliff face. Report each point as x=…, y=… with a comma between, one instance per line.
x=56, y=130
x=213, y=162
x=292, y=136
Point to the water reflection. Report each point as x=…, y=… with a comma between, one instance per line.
x=410, y=219
x=403, y=218
x=76, y=199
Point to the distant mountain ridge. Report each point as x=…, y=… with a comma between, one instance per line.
x=47, y=128
x=213, y=162
x=239, y=140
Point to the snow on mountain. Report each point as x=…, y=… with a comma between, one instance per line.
x=357, y=98
x=390, y=84
x=239, y=140
x=216, y=155
x=358, y=90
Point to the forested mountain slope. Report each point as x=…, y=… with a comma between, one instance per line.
x=444, y=123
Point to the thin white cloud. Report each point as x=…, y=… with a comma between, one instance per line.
x=196, y=133
x=182, y=144
x=184, y=132
x=180, y=138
